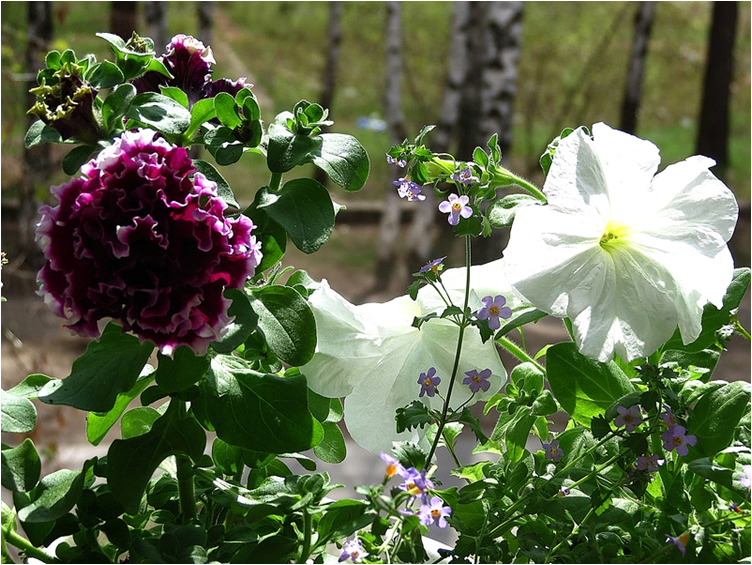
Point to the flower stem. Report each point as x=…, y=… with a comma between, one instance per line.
x=505, y=177
x=461, y=335
x=519, y=353
x=186, y=488
x=26, y=548
x=275, y=181
x=305, y=550
x=741, y=331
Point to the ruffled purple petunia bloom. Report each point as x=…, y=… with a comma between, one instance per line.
x=189, y=62
x=140, y=241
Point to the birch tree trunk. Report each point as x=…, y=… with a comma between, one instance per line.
x=36, y=160
x=712, y=136
x=123, y=18
x=155, y=14
x=389, y=227
x=630, y=107
x=329, y=76
x=205, y=12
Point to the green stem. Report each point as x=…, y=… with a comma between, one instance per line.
x=275, y=181
x=505, y=177
x=463, y=325
x=186, y=488
x=741, y=331
x=519, y=353
x=26, y=548
x=305, y=551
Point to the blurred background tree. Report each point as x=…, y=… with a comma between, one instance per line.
x=525, y=71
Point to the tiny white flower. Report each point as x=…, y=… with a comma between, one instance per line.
x=625, y=254
x=372, y=355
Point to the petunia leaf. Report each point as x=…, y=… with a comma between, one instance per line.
x=18, y=414
x=21, y=467
x=343, y=159
x=160, y=112
x=715, y=418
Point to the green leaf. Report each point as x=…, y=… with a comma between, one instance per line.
x=223, y=188
x=287, y=150
x=226, y=109
x=180, y=371
x=584, y=387
x=272, y=236
x=76, y=157
x=30, y=386
x=303, y=207
x=501, y=212
x=97, y=425
x=109, y=366
x=332, y=448
x=138, y=421
x=287, y=322
x=176, y=94
x=525, y=317
x=260, y=412
x=132, y=462
x=159, y=112
x=21, y=467
x=715, y=418
x=19, y=416
x=415, y=415
x=245, y=321
x=227, y=458
x=116, y=105
x=201, y=112
x=708, y=469
x=55, y=495
x=343, y=518
x=39, y=133
x=517, y=435
x=104, y=75
x=343, y=159
x=714, y=319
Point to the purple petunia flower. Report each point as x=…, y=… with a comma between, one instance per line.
x=456, y=206
x=393, y=467
x=629, y=418
x=409, y=189
x=435, y=265
x=353, y=550
x=679, y=541
x=465, y=176
x=189, y=62
x=553, y=452
x=140, y=241
x=675, y=438
x=428, y=382
x=477, y=381
x=649, y=463
x=494, y=308
x=434, y=512
x=399, y=162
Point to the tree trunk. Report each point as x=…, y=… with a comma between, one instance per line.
x=124, y=19
x=389, y=227
x=36, y=160
x=712, y=136
x=630, y=107
x=205, y=22
x=334, y=38
x=155, y=14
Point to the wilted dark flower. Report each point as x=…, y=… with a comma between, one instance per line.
x=66, y=103
x=189, y=62
x=139, y=241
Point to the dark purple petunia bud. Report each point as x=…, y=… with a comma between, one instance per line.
x=140, y=241
x=66, y=103
x=189, y=62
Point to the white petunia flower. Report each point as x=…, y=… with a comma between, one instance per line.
x=372, y=355
x=625, y=254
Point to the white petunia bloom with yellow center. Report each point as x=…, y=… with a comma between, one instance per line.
x=372, y=355
x=626, y=254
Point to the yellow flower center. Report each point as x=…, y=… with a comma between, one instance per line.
x=613, y=235
x=457, y=205
x=427, y=381
x=494, y=310
x=476, y=378
x=391, y=470
x=677, y=441
x=435, y=512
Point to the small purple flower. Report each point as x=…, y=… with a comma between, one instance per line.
x=649, y=463
x=428, y=382
x=679, y=541
x=477, y=381
x=746, y=478
x=409, y=189
x=393, y=467
x=456, y=206
x=630, y=418
x=553, y=452
x=353, y=550
x=675, y=438
x=435, y=265
x=142, y=239
x=668, y=416
x=465, y=176
x=493, y=309
x=399, y=162
x=434, y=512
x=564, y=491
x=415, y=482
